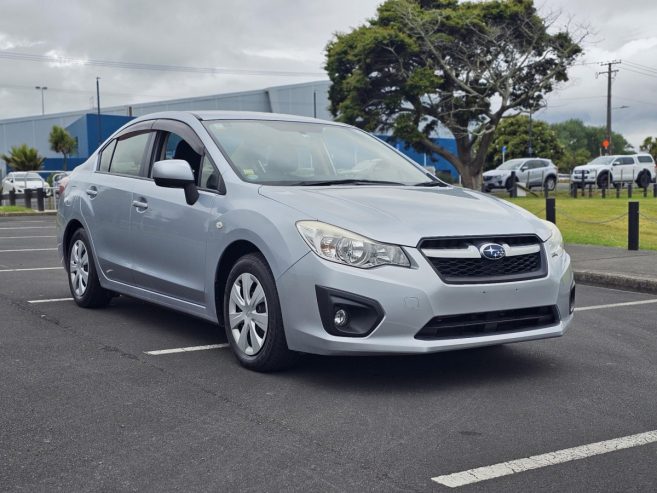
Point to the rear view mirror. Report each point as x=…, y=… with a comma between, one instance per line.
x=176, y=173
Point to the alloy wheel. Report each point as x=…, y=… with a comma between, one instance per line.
x=79, y=268
x=247, y=314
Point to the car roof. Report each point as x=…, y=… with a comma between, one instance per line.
x=233, y=115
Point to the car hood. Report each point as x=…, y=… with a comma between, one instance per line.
x=405, y=215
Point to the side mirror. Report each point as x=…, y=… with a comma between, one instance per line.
x=176, y=173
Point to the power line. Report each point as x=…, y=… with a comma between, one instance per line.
x=642, y=67
x=9, y=55
x=654, y=76
x=79, y=91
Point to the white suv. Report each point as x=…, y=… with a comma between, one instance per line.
x=604, y=171
x=532, y=172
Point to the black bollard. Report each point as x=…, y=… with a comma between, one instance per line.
x=12, y=197
x=551, y=210
x=633, y=226
x=629, y=190
x=28, y=198
x=604, y=192
x=41, y=195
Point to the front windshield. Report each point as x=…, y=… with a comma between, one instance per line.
x=294, y=153
x=27, y=177
x=602, y=160
x=511, y=164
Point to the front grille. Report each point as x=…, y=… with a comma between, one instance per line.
x=487, y=323
x=458, y=261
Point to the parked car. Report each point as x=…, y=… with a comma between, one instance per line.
x=533, y=172
x=299, y=235
x=605, y=171
x=19, y=181
x=57, y=179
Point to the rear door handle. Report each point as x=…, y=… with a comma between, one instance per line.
x=139, y=204
x=92, y=192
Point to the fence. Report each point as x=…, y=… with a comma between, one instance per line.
x=40, y=199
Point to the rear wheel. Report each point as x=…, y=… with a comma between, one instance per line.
x=643, y=181
x=252, y=316
x=550, y=183
x=82, y=276
x=603, y=181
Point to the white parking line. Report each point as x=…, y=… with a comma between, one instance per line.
x=31, y=227
x=185, y=349
x=614, y=305
x=23, y=237
x=28, y=250
x=29, y=269
x=52, y=300
x=550, y=459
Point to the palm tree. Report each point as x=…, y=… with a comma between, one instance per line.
x=23, y=158
x=62, y=142
x=650, y=146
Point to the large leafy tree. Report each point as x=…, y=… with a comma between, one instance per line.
x=420, y=64
x=513, y=133
x=649, y=145
x=23, y=158
x=62, y=143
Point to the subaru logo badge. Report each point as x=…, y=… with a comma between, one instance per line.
x=492, y=251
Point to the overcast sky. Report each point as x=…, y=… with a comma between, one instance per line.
x=277, y=35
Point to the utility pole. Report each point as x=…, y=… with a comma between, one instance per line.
x=43, y=104
x=609, y=73
x=530, y=149
x=100, y=138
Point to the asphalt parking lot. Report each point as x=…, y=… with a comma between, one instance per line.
x=85, y=407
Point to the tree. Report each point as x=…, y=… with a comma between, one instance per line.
x=23, y=158
x=582, y=142
x=463, y=65
x=513, y=132
x=649, y=145
x=62, y=142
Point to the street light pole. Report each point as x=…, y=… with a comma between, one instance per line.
x=43, y=104
x=100, y=138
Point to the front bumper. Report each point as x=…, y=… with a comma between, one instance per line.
x=410, y=298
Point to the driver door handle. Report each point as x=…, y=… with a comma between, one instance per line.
x=92, y=192
x=139, y=204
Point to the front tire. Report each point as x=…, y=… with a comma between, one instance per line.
x=82, y=276
x=252, y=316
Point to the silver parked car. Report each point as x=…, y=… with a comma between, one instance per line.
x=532, y=172
x=299, y=235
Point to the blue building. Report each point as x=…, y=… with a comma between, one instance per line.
x=306, y=99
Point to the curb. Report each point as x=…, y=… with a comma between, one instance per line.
x=617, y=281
x=35, y=213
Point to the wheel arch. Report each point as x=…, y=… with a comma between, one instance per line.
x=71, y=228
x=233, y=252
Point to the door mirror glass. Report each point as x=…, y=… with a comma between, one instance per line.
x=176, y=173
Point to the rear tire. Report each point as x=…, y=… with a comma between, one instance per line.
x=603, y=181
x=643, y=181
x=252, y=317
x=550, y=183
x=82, y=276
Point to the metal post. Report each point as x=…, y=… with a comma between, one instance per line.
x=12, y=197
x=629, y=190
x=654, y=190
x=314, y=104
x=573, y=189
x=550, y=210
x=645, y=191
x=514, y=185
x=590, y=190
x=40, y=199
x=633, y=226
x=618, y=188
x=100, y=138
x=28, y=198
x=604, y=192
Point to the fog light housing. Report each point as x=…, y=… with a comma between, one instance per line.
x=340, y=319
x=346, y=314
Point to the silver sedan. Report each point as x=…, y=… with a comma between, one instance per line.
x=299, y=235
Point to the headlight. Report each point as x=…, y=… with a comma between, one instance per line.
x=344, y=247
x=554, y=244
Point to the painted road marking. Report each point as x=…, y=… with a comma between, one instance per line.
x=614, y=305
x=185, y=349
x=550, y=459
x=23, y=237
x=32, y=268
x=52, y=300
x=31, y=227
x=29, y=250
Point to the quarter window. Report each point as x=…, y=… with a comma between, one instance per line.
x=106, y=157
x=209, y=175
x=645, y=159
x=129, y=154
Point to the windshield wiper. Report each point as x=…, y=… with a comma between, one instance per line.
x=347, y=181
x=432, y=183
